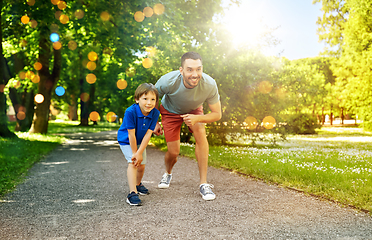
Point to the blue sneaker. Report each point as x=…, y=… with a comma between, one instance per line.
x=142, y=190
x=133, y=199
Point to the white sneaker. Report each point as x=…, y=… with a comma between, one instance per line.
x=165, y=180
x=206, y=191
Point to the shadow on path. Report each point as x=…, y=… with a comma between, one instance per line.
x=79, y=191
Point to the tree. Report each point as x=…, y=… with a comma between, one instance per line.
x=331, y=24
x=4, y=130
x=354, y=74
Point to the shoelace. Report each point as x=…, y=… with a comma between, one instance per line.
x=207, y=188
x=164, y=179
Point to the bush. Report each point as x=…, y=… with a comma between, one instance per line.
x=301, y=123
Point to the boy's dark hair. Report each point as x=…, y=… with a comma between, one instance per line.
x=190, y=55
x=144, y=88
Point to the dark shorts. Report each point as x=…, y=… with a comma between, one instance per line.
x=172, y=123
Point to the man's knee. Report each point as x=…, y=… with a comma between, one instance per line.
x=173, y=153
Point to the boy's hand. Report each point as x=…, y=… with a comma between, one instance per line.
x=190, y=119
x=137, y=159
x=158, y=130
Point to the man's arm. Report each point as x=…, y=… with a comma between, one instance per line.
x=214, y=115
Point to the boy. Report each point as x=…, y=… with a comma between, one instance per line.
x=134, y=134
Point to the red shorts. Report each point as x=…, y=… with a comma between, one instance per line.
x=172, y=123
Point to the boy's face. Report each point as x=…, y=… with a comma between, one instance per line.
x=147, y=102
x=192, y=72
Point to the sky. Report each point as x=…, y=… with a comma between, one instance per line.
x=295, y=21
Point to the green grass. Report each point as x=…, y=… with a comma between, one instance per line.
x=335, y=164
x=17, y=156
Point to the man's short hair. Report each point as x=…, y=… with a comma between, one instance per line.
x=190, y=55
x=144, y=88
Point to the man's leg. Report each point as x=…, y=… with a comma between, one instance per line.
x=171, y=155
x=201, y=150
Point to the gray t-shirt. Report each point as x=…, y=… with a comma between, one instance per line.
x=179, y=99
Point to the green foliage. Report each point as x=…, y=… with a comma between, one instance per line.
x=301, y=123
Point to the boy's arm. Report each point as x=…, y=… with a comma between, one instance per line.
x=132, y=140
x=144, y=143
x=214, y=115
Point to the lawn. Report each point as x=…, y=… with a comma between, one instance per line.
x=335, y=164
x=19, y=155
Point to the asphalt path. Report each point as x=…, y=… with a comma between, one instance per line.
x=78, y=191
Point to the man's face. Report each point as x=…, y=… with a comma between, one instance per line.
x=192, y=72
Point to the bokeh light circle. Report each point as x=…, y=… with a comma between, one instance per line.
x=22, y=75
x=147, y=63
x=38, y=66
x=21, y=115
x=35, y=78
x=29, y=75
x=57, y=14
x=54, y=2
x=94, y=116
x=105, y=16
x=91, y=78
x=111, y=117
x=39, y=98
x=62, y=5
x=148, y=11
x=159, y=9
x=16, y=84
x=54, y=27
x=92, y=56
x=25, y=19
x=60, y=91
x=54, y=37
x=64, y=19
x=269, y=122
x=84, y=97
x=121, y=84
x=57, y=45
x=251, y=122
x=72, y=45
x=91, y=66
x=33, y=23
x=265, y=87
x=31, y=2
x=139, y=16
x=79, y=14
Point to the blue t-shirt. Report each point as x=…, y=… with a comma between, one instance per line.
x=134, y=119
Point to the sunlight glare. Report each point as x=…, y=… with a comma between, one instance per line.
x=245, y=25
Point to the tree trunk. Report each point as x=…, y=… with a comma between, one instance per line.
x=46, y=84
x=4, y=130
x=72, y=109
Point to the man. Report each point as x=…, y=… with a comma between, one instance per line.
x=184, y=93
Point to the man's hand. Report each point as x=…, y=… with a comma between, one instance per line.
x=158, y=130
x=190, y=119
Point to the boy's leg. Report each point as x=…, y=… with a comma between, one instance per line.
x=140, y=173
x=201, y=150
x=132, y=177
